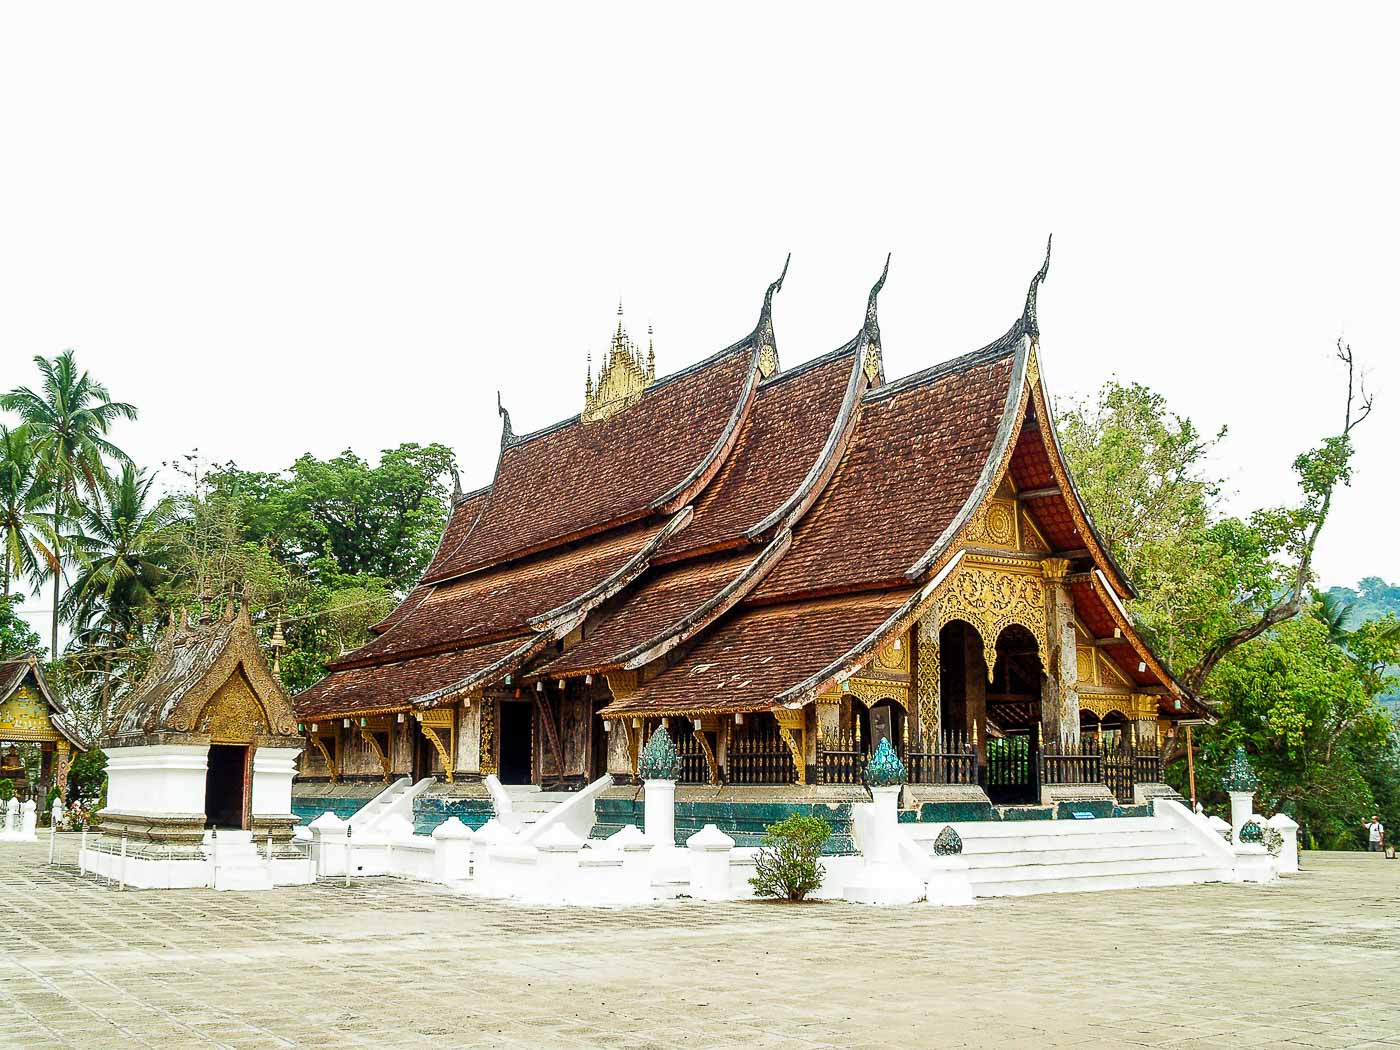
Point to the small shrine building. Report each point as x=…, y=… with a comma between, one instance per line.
x=32, y=713
x=207, y=739
x=784, y=567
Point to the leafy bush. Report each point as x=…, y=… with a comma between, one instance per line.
x=7, y=790
x=787, y=865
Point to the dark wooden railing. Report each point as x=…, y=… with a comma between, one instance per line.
x=952, y=761
x=695, y=769
x=1080, y=763
x=840, y=761
x=757, y=754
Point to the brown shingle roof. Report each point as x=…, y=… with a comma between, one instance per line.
x=918, y=450
x=780, y=441
x=395, y=686
x=747, y=660
x=646, y=615
x=575, y=478
x=503, y=601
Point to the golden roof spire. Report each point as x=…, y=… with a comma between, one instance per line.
x=621, y=379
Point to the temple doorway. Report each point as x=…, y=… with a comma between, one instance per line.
x=517, y=725
x=224, y=799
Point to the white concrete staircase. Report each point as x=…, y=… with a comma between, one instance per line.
x=531, y=804
x=1015, y=858
x=237, y=863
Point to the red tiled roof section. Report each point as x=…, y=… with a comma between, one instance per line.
x=1099, y=619
x=779, y=442
x=394, y=685
x=915, y=457
x=651, y=611
x=577, y=478
x=459, y=525
x=501, y=601
x=754, y=656
x=1030, y=469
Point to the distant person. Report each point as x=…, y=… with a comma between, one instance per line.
x=1375, y=834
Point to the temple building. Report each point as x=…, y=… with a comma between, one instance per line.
x=782, y=566
x=33, y=714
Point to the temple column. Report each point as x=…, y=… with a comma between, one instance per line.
x=620, y=749
x=61, y=768
x=1144, y=721
x=1059, y=694
x=975, y=686
x=928, y=698
x=468, y=759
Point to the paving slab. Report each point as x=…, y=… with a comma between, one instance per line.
x=1313, y=961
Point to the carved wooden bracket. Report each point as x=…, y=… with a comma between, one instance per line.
x=367, y=734
x=325, y=754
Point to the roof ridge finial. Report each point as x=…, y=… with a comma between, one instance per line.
x=767, y=338
x=1029, y=324
x=651, y=353
x=874, y=358
x=507, y=434
x=456, y=492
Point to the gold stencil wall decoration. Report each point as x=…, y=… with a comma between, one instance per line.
x=991, y=597
x=927, y=682
x=487, y=752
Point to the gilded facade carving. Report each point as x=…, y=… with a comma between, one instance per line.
x=25, y=716
x=233, y=715
x=991, y=595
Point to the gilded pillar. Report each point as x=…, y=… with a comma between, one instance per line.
x=928, y=700
x=1059, y=696
x=486, y=735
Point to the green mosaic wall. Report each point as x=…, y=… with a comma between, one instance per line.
x=744, y=822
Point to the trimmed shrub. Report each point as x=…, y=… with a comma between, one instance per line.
x=787, y=866
x=7, y=790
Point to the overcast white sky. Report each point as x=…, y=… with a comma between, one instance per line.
x=282, y=228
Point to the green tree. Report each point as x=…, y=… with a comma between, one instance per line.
x=123, y=546
x=68, y=420
x=17, y=638
x=22, y=497
x=381, y=521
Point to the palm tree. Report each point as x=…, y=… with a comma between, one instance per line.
x=122, y=548
x=68, y=423
x=22, y=493
x=1336, y=614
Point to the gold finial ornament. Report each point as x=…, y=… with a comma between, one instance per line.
x=622, y=378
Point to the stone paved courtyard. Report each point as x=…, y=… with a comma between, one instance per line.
x=1312, y=962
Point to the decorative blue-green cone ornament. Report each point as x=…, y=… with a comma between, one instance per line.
x=884, y=768
x=948, y=843
x=1251, y=832
x=659, y=760
x=1238, y=774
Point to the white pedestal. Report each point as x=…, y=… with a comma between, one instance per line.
x=660, y=811
x=710, y=850
x=1288, y=855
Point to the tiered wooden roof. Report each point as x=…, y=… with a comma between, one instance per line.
x=737, y=537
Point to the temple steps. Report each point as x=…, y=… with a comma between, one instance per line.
x=531, y=803
x=1006, y=858
x=238, y=864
